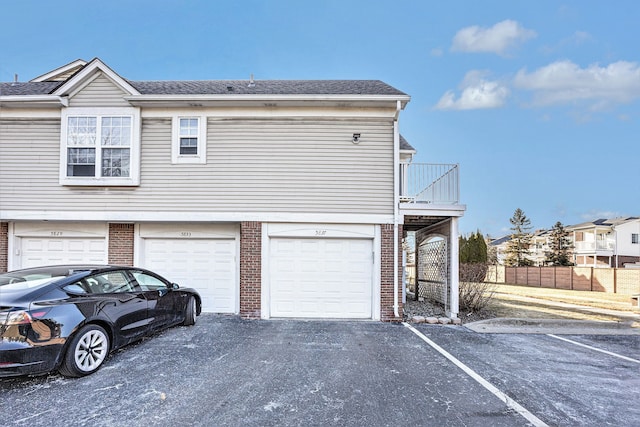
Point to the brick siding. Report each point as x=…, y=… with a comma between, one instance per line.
x=4, y=246
x=386, y=274
x=121, y=244
x=250, y=269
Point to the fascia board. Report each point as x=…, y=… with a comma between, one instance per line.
x=85, y=75
x=60, y=70
x=415, y=209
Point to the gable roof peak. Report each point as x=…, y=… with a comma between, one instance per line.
x=87, y=73
x=62, y=73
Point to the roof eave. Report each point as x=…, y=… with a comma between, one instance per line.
x=33, y=101
x=201, y=100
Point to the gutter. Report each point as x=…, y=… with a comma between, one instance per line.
x=135, y=99
x=33, y=100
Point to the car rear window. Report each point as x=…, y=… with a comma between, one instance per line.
x=19, y=282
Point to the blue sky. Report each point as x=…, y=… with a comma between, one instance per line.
x=537, y=101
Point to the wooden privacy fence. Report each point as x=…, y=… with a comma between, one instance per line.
x=623, y=281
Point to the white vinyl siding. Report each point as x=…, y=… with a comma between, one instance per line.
x=100, y=92
x=294, y=166
x=30, y=153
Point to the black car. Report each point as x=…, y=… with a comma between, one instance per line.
x=68, y=318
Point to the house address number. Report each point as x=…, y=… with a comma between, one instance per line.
x=321, y=232
x=185, y=234
x=56, y=233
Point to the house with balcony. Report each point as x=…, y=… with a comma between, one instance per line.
x=606, y=242
x=600, y=243
x=539, y=247
x=274, y=199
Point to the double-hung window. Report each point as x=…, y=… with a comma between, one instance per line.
x=189, y=140
x=100, y=146
x=634, y=238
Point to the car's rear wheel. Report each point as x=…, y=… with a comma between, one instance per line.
x=86, y=352
x=190, y=312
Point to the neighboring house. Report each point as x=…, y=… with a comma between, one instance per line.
x=539, y=247
x=271, y=198
x=500, y=246
x=600, y=243
x=606, y=242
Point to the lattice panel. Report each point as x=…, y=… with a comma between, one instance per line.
x=432, y=271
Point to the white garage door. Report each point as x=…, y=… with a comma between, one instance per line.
x=321, y=278
x=207, y=265
x=37, y=251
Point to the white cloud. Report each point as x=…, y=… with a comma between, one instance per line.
x=579, y=38
x=564, y=82
x=476, y=93
x=498, y=39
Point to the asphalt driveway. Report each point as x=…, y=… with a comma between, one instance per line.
x=226, y=371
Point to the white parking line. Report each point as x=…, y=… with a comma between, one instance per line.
x=486, y=384
x=595, y=348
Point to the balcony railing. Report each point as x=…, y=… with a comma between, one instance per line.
x=429, y=183
x=598, y=245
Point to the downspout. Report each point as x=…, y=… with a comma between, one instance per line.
x=396, y=208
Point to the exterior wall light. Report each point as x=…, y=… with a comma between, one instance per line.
x=356, y=138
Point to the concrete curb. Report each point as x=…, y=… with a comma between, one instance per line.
x=553, y=326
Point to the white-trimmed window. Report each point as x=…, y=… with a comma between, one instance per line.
x=189, y=144
x=100, y=146
x=634, y=238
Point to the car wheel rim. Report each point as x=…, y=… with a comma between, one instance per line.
x=91, y=350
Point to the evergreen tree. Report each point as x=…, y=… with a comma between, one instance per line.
x=473, y=249
x=559, y=246
x=517, y=250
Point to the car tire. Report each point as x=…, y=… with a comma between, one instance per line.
x=190, y=312
x=87, y=351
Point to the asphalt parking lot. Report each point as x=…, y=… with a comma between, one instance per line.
x=226, y=371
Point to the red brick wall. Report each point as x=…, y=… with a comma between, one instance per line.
x=386, y=274
x=121, y=244
x=250, y=269
x=4, y=246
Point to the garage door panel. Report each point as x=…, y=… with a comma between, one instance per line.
x=321, y=278
x=207, y=265
x=37, y=251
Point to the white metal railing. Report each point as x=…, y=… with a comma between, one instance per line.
x=429, y=183
x=598, y=245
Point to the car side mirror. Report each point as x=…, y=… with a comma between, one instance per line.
x=175, y=286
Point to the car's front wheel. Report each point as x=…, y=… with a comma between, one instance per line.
x=190, y=312
x=86, y=352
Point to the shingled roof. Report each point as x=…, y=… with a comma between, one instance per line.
x=266, y=87
x=404, y=144
x=221, y=87
x=28, y=88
